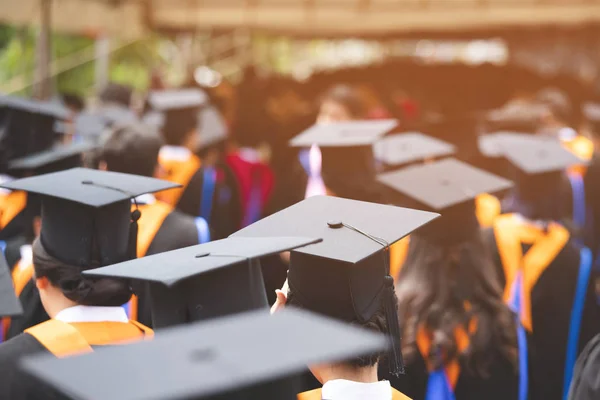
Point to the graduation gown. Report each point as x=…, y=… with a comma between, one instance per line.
x=501, y=382
x=551, y=300
x=16, y=385
x=585, y=384
x=13, y=220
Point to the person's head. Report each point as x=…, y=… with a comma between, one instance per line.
x=117, y=94
x=447, y=282
x=559, y=110
x=131, y=149
x=74, y=102
x=355, y=367
x=180, y=127
x=61, y=285
x=341, y=103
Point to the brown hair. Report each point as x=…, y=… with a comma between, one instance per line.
x=445, y=287
x=349, y=98
x=76, y=287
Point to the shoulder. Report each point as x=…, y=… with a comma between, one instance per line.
x=13, y=350
x=396, y=395
x=585, y=384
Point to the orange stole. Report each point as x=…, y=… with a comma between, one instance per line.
x=21, y=275
x=487, y=208
x=11, y=205
x=63, y=339
x=510, y=233
x=316, y=395
x=180, y=172
x=462, y=343
x=153, y=216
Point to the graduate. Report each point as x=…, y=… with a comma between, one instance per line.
x=539, y=260
x=459, y=340
x=346, y=277
x=19, y=249
x=27, y=126
x=262, y=363
x=86, y=222
x=9, y=303
x=209, y=187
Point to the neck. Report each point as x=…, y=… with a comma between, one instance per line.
x=57, y=304
x=349, y=373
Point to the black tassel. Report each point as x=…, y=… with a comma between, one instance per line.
x=396, y=361
x=133, y=233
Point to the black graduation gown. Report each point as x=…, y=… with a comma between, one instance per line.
x=500, y=383
x=551, y=303
x=15, y=384
x=226, y=212
x=586, y=377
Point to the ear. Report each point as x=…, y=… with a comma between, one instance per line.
x=102, y=166
x=42, y=283
x=37, y=226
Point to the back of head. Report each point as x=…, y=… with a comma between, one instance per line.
x=132, y=148
x=179, y=125
x=103, y=292
x=115, y=93
x=349, y=98
x=447, y=282
x=541, y=197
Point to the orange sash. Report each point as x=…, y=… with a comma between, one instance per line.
x=21, y=275
x=462, y=342
x=63, y=339
x=316, y=395
x=153, y=216
x=511, y=232
x=487, y=208
x=180, y=172
x=11, y=205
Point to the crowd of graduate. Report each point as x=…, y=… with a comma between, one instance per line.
x=403, y=254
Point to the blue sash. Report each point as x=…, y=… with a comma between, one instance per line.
x=579, y=206
x=438, y=386
x=203, y=230
x=515, y=304
x=209, y=182
x=585, y=269
x=3, y=246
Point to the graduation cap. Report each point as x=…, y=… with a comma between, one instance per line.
x=89, y=125
x=536, y=155
x=250, y=355
x=405, y=148
x=212, y=128
x=204, y=281
x=450, y=187
x=344, y=134
x=177, y=99
x=9, y=303
x=492, y=144
x=59, y=157
x=346, y=276
x=49, y=108
x=114, y=114
x=86, y=214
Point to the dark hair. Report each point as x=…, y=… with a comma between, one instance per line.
x=116, y=93
x=84, y=291
x=132, y=149
x=348, y=97
x=434, y=287
x=377, y=323
x=73, y=101
x=178, y=125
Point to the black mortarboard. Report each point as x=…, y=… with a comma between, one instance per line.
x=49, y=108
x=348, y=162
x=538, y=155
x=443, y=183
x=177, y=99
x=63, y=156
x=9, y=304
x=405, y=148
x=86, y=214
x=356, y=236
x=89, y=125
x=253, y=355
x=117, y=115
x=491, y=144
x=197, y=283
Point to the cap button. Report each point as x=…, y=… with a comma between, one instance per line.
x=335, y=224
x=87, y=182
x=201, y=255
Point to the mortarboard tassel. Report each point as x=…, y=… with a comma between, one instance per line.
x=133, y=233
x=396, y=361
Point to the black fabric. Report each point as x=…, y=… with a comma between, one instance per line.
x=15, y=227
x=226, y=213
x=500, y=383
x=15, y=384
x=586, y=376
x=551, y=303
x=177, y=231
x=33, y=311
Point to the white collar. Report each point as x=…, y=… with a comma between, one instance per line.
x=26, y=252
x=174, y=153
x=341, y=389
x=92, y=314
x=147, y=198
